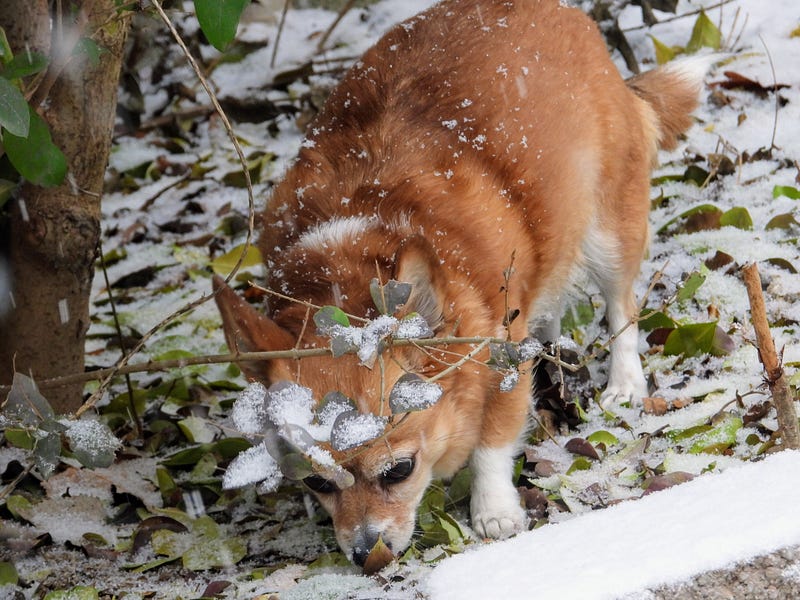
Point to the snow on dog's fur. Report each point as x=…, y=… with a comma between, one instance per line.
x=477, y=130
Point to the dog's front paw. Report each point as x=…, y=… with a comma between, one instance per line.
x=630, y=391
x=498, y=515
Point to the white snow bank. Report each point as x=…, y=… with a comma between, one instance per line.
x=708, y=523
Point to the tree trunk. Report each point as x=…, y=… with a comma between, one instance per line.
x=51, y=234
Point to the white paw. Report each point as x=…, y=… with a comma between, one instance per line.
x=498, y=515
x=629, y=391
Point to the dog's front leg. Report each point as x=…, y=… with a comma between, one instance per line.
x=495, y=505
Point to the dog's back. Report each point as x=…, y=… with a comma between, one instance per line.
x=475, y=132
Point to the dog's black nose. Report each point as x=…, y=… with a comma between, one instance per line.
x=363, y=543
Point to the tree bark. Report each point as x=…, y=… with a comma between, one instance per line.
x=51, y=234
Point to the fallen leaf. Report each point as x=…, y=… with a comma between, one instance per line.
x=378, y=557
x=655, y=406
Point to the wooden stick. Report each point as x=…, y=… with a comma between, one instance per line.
x=776, y=378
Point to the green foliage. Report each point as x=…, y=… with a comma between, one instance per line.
x=77, y=593
x=738, y=217
x=786, y=190
x=705, y=34
x=695, y=339
x=219, y=19
x=14, y=114
x=222, y=265
x=8, y=574
x=34, y=155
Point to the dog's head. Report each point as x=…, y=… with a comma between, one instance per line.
x=392, y=472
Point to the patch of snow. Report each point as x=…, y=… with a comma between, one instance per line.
x=252, y=466
x=249, y=413
x=661, y=539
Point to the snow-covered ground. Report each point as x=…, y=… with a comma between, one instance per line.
x=662, y=539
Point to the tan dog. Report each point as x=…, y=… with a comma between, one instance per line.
x=476, y=130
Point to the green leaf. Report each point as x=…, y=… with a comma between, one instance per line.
x=219, y=19
x=579, y=464
x=690, y=286
x=8, y=574
x=35, y=156
x=88, y=48
x=188, y=456
x=704, y=35
x=19, y=507
x=603, y=437
x=223, y=265
x=691, y=340
x=328, y=317
x=577, y=316
x=737, y=217
x=655, y=320
x=719, y=438
x=412, y=393
x=786, y=190
x=23, y=65
x=80, y=592
x=196, y=430
x=664, y=53
x=14, y=111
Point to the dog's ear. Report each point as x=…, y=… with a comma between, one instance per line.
x=417, y=263
x=247, y=330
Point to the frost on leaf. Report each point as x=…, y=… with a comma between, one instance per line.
x=414, y=326
x=509, y=381
x=353, y=429
x=250, y=410
x=530, y=348
x=254, y=465
x=92, y=443
x=332, y=405
x=412, y=393
x=288, y=402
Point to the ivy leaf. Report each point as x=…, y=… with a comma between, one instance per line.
x=219, y=19
x=412, y=393
x=389, y=297
x=704, y=35
x=92, y=443
x=655, y=320
x=14, y=112
x=34, y=156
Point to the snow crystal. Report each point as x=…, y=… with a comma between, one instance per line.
x=252, y=466
x=353, y=429
x=288, y=402
x=331, y=586
x=249, y=412
x=451, y=124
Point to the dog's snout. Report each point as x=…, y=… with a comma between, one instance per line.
x=363, y=542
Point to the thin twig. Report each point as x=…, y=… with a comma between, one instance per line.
x=777, y=95
x=680, y=16
x=280, y=31
x=342, y=12
x=131, y=403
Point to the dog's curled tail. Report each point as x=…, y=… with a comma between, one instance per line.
x=672, y=91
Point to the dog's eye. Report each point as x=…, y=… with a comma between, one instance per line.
x=398, y=471
x=320, y=484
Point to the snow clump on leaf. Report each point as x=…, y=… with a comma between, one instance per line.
x=254, y=465
x=288, y=402
x=92, y=442
x=249, y=413
x=353, y=429
x=411, y=393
